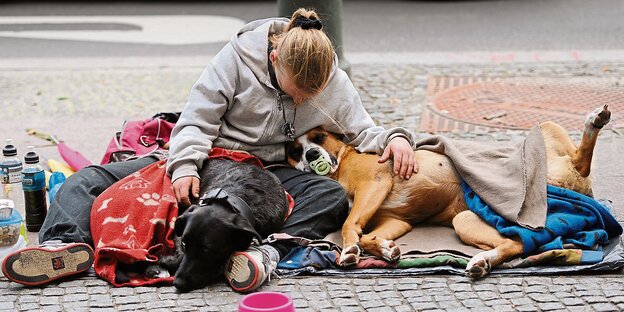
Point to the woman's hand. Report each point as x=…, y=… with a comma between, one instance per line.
x=181, y=187
x=404, y=161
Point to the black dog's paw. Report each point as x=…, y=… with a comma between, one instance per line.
x=170, y=262
x=121, y=277
x=155, y=271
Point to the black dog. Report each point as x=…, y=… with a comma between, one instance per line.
x=240, y=202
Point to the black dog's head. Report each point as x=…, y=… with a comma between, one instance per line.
x=209, y=235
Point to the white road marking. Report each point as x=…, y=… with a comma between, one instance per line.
x=155, y=29
x=417, y=58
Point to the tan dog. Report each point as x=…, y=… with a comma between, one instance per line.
x=385, y=206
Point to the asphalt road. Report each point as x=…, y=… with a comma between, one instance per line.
x=369, y=26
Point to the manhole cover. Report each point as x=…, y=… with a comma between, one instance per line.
x=490, y=103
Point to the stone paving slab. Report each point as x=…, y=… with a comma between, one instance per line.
x=86, y=106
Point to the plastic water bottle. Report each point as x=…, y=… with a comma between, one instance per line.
x=11, y=176
x=34, y=185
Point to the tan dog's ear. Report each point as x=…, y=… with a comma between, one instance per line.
x=319, y=137
x=294, y=152
x=166, y=146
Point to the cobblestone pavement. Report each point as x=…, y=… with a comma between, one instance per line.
x=428, y=293
x=86, y=106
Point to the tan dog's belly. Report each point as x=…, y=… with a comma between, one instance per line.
x=433, y=195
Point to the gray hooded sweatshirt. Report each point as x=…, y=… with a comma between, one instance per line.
x=233, y=105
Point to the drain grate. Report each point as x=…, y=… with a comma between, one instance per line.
x=493, y=103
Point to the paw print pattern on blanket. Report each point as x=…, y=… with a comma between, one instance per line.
x=169, y=198
x=139, y=182
x=148, y=199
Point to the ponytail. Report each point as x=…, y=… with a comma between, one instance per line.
x=305, y=51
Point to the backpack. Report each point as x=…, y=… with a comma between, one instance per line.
x=140, y=137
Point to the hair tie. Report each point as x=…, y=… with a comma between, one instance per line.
x=307, y=23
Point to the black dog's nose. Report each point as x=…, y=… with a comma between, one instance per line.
x=312, y=154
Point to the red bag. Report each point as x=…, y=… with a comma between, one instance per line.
x=140, y=137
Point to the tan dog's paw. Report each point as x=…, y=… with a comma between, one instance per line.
x=479, y=265
x=349, y=256
x=478, y=270
x=381, y=248
x=390, y=251
x=599, y=117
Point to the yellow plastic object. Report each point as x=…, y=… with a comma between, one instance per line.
x=57, y=166
x=48, y=174
x=23, y=232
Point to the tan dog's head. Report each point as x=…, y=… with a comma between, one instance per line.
x=313, y=145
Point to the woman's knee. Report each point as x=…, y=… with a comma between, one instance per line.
x=332, y=188
x=87, y=178
x=335, y=187
x=331, y=197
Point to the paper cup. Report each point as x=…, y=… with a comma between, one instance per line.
x=266, y=301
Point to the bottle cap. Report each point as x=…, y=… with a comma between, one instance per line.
x=9, y=149
x=31, y=157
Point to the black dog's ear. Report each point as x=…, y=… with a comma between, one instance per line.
x=241, y=223
x=242, y=240
x=180, y=223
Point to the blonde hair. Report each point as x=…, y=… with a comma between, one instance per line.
x=305, y=52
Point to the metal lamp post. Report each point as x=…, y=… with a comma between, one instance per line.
x=330, y=12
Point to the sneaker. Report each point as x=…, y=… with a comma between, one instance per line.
x=52, y=260
x=249, y=269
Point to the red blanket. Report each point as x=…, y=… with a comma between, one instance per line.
x=133, y=220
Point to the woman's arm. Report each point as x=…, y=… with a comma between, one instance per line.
x=360, y=130
x=200, y=121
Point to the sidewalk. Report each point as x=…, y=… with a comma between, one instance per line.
x=85, y=106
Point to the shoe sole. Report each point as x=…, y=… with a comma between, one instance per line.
x=241, y=263
x=36, y=266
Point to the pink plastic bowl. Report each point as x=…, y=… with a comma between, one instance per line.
x=266, y=301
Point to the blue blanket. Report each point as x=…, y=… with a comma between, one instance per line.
x=572, y=219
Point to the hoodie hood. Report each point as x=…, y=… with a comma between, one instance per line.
x=252, y=42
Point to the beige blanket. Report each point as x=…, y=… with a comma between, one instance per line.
x=425, y=240
x=510, y=178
